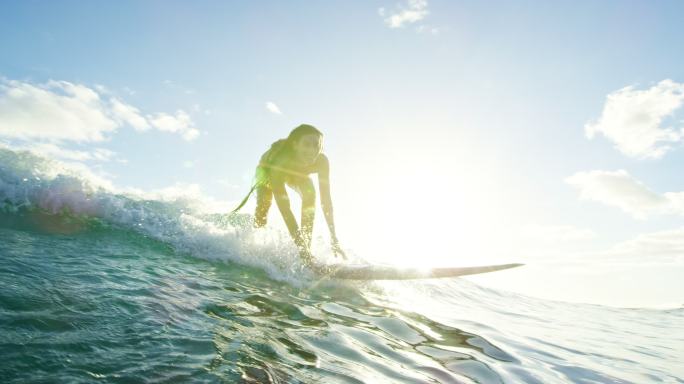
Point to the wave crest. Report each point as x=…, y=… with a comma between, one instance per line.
x=56, y=196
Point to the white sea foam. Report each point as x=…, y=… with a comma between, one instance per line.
x=175, y=216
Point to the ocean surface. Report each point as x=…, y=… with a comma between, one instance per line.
x=103, y=285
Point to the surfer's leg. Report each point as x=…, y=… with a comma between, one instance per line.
x=306, y=190
x=264, y=199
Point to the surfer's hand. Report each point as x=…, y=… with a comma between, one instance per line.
x=337, y=250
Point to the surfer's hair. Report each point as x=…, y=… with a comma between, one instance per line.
x=283, y=147
x=301, y=131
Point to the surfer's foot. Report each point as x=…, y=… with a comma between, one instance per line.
x=320, y=269
x=306, y=256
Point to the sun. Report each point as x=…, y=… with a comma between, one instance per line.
x=423, y=215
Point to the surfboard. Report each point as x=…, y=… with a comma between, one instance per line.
x=379, y=272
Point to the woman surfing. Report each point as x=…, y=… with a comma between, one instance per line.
x=289, y=162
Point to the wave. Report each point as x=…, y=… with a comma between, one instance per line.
x=41, y=194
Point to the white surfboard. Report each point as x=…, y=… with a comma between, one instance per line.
x=378, y=272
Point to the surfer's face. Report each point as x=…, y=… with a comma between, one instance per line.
x=307, y=148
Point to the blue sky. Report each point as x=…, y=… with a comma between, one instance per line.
x=460, y=124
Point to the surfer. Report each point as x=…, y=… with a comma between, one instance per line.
x=289, y=162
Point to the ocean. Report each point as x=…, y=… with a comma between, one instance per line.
x=104, y=285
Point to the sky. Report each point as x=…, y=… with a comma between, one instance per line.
x=459, y=132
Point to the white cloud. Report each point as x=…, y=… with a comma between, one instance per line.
x=412, y=12
x=556, y=233
x=664, y=247
x=634, y=119
x=620, y=189
x=102, y=154
x=128, y=114
x=273, y=108
x=54, y=111
x=198, y=109
x=226, y=183
x=178, y=87
x=53, y=151
x=180, y=123
x=62, y=111
x=426, y=29
x=647, y=249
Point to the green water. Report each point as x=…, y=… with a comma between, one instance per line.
x=113, y=305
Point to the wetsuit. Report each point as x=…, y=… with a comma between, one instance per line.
x=276, y=166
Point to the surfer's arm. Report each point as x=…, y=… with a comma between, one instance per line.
x=326, y=201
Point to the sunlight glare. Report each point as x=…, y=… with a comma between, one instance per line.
x=426, y=215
